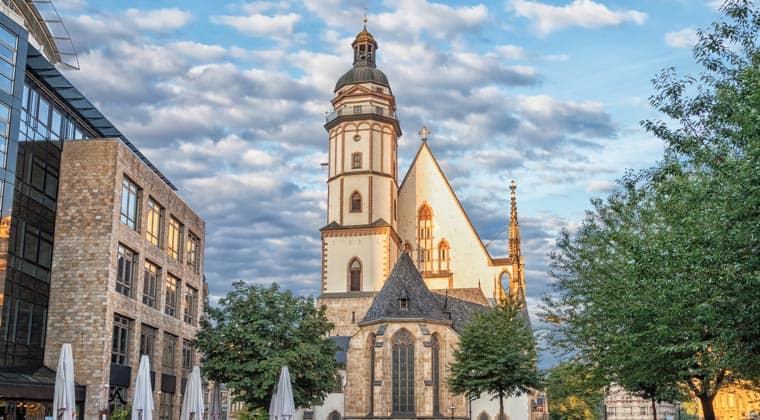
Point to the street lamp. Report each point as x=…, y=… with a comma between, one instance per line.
x=452, y=411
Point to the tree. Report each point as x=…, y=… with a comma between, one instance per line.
x=256, y=330
x=496, y=355
x=658, y=289
x=573, y=392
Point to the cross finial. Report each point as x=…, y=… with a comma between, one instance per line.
x=424, y=132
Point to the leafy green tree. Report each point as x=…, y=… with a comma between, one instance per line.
x=496, y=355
x=256, y=330
x=573, y=392
x=658, y=289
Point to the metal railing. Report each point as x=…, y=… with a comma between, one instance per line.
x=358, y=110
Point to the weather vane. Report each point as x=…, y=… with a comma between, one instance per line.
x=424, y=132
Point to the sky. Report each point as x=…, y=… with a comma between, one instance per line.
x=228, y=99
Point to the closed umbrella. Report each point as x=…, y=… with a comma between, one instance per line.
x=64, y=403
x=142, y=403
x=215, y=406
x=282, y=406
x=192, y=407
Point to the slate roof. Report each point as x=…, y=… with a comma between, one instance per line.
x=362, y=74
x=460, y=309
x=405, y=282
x=454, y=306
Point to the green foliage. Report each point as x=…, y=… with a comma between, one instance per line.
x=573, y=392
x=658, y=288
x=255, y=331
x=121, y=414
x=496, y=354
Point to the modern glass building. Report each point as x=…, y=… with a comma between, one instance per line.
x=39, y=109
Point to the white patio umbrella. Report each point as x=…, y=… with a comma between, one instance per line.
x=142, y=403
x=282, y=406
x=193, y=406
x=215, y=405
x=64, y=403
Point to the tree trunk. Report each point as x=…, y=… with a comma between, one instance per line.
x=501, y=406
x=654, y=409
x=707, y=406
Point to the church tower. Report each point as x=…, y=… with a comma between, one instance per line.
x=360, y=243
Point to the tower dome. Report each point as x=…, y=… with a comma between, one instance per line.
x=364, y=69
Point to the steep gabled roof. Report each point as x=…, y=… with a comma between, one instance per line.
x=424, y=147
x=405, y=283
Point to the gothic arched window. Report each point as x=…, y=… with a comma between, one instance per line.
x=425, y=237
x=403, y=373
x=444, y=256
x=505, y=283
x=483, y=416
x=356, y=202
x=334, y=416
x=435, y=347
x=355, y=276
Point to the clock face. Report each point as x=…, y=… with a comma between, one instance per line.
x=357, y=137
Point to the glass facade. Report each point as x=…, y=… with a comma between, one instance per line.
x=33, y=123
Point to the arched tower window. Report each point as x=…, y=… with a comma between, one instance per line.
x=483, y=416
x=444, y=256
x=425, y=237
x=505, y=283
x=403, y=373
x=356, y=202
x=435, y=376
x=371, y=344
x=355, y=275
x=334, y=416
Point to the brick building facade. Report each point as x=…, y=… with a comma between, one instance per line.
x=127, y=279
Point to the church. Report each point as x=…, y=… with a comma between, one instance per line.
x=403, y=267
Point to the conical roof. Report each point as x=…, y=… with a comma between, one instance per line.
x=405, y=296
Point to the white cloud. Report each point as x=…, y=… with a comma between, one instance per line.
x=600, y=186
x=685, y=38
x=198, y=51
x=159, y=20
x=510, y=52
x=715, y=4
x=257, y=24
x=584, y=13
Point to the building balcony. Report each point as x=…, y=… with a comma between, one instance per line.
x=359, y=110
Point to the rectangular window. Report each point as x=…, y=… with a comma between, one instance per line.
x=147, y=342
x=43, y=179
x=379, y=110
x=152, y=275
x=165, y=410
x=130, y=203
x=172, y=295
x=357, y=109
x=174, y=245
x=170, y=349
x=356, y=160
x=154, y=223
x=37, y=246
x=125, y=272
x=642, y=411
x=192, y=251
x=8, y=42
x=120, y=340
x=187, y=355
x=191, y=305
x=126, y=263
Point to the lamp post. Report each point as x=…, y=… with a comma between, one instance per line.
x=452, y=411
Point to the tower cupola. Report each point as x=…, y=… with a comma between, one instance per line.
x=364, y=69
x=365, y=47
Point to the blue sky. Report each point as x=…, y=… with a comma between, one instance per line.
x=228, y=100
